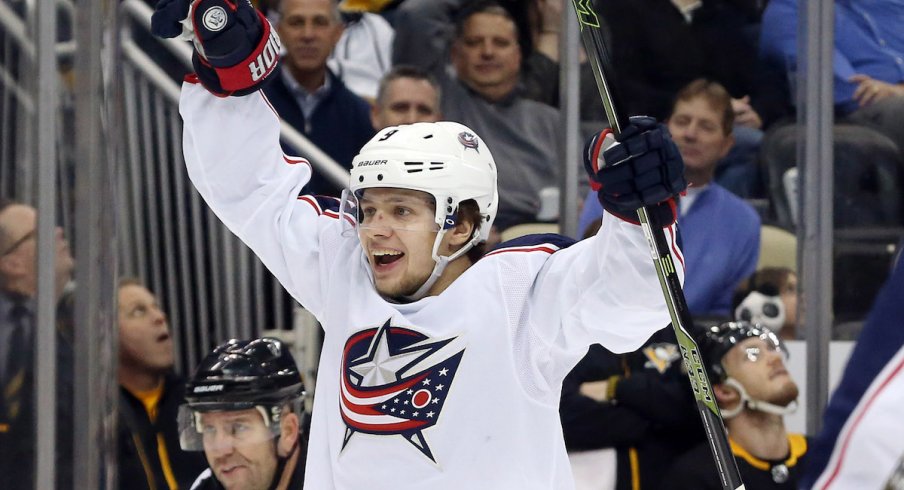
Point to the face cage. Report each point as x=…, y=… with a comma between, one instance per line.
x=191, y=428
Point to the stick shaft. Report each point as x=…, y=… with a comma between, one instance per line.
x=598, y=54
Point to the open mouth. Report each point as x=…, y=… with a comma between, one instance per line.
x=386, y=257
x=163, y=337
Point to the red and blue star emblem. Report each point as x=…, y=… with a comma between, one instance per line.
x=395, y=382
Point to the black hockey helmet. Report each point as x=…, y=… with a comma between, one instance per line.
x=717, y=340
x=242, y=374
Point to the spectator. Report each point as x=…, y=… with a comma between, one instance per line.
x=660, y=46
x=868, y=63
x=769, y=297
x=862, y=437
x=406, y=95
x=150, y=394
x=720, y=232
x=542, y=69
x=309, y=96
x=18, y=288
x=638, y=404
x=754, y=391
x=363, y=54
x=486, y=97
x=244, y=410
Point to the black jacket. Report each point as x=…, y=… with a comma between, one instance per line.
x=139, y=460
x=651, y=419
x=697, y=470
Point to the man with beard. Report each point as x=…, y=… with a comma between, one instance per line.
x=150, y=394
x=754, y=390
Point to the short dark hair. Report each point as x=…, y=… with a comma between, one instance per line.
x=407, y=71
x=469, y=211
x=714, y=93
x=483, y=7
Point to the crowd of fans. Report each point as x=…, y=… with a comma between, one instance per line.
x=720, y=73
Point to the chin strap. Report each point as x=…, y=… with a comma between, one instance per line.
x=281, y=462
x=441, y=262
x=758, y=405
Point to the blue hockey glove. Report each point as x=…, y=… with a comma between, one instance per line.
x=640, y=167
x=236, y=49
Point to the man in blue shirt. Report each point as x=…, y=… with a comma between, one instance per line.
x=868, y=59
x=720, y=232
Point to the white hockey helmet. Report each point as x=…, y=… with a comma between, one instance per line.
x=444, y=159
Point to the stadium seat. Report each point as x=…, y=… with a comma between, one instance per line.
x=778, y=248
x=868, y=171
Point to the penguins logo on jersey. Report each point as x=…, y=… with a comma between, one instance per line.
x=660, y=356
x=395, y=382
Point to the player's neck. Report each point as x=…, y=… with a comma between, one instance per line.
x=761, y=434
x=452, y=271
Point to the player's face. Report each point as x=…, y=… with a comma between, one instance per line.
x=309, y=32
x=18, y=256
x=397, y=233
x=760, y=368
x=239, y=449
x=144, y=337
x=487, y=56
x=696, y=128
x=406, y=101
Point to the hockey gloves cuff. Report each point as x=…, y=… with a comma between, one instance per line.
x=640, y=167
x=236, y=49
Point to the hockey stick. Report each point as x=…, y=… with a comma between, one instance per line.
x=598, y=54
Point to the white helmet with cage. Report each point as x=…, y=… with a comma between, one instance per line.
x=446, y=160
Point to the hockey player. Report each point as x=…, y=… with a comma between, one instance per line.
x=438, y=370
x=754, y=390
x=244, y=410
x=861, y=444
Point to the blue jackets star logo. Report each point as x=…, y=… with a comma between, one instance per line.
x=394, y=382
x=469, y=140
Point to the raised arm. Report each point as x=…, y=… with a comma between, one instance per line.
x=231, y=145
x=605, y=289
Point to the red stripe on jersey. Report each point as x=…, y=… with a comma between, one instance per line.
x=389, y=428
x=294, y=160
x=191, y=78
x=540, y=248
x=675, y=250
x=313, y=202
x=334, y=214
x=847, y=436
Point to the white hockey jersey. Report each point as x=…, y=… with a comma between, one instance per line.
x=455, y=391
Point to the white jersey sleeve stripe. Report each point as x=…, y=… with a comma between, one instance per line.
x=850, y=435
